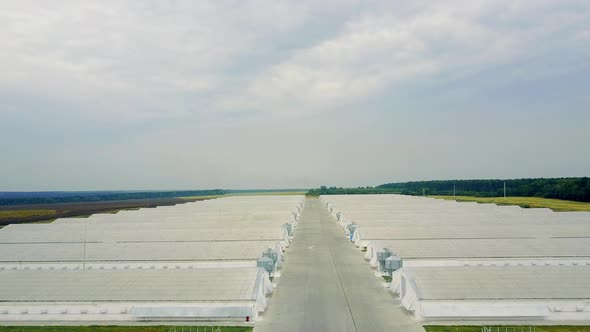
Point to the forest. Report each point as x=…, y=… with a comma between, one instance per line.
x=573, y=189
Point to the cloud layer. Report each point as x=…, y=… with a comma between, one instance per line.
x=185, y=94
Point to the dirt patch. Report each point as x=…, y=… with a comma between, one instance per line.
x=64, y=210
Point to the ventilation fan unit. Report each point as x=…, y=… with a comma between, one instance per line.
x=266, y=263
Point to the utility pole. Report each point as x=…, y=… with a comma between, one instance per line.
x=504, y=189
x=454, y=191
x=423, y=192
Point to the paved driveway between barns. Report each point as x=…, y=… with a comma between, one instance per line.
x=326, y=285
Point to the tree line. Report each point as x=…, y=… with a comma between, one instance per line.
x=574, y=189
x=323, y=190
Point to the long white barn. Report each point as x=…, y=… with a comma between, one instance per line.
x=558, y=293
x=208, y=260
x=469, y=261
x=131, y=295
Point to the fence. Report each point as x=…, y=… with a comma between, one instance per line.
x=194, y=329
x=523, y=328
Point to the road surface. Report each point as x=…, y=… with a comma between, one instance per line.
x=327, y=286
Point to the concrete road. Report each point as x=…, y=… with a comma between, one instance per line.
x=326, y=285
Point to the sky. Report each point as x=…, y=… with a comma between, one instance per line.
x=150, y=94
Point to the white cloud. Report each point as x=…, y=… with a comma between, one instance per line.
x=170, y=58
x=187, y=91
x=146, y=52
x=379, y=50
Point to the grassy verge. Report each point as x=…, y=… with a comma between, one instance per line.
x=123, y=329
x=36, y=213
x=525, y=202
x=473, y=328
x=25, y=213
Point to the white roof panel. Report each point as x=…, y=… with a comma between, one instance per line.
x=486, y=248
x=495, y=283
x=131, y=285
x=135, y=251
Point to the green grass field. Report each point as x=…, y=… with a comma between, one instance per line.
x=526, y=202
x=25, y=213
x=124, y=329
x=472, y=328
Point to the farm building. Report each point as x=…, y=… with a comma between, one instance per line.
x=134, y=255
x=451, y=260
x=209, y=260
x=127, y=295
x=487, y=252
x=558, y=293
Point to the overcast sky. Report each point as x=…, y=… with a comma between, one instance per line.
x=276, y=94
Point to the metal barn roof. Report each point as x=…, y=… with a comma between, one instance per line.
x=135, y=251
x=131, y=285
x=486, y=248
x=497, y=283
